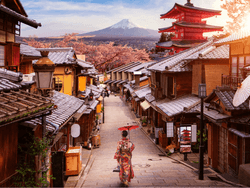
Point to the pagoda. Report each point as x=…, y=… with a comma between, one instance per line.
x=188, y=27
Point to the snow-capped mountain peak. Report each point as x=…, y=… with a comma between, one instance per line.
x=124, y=24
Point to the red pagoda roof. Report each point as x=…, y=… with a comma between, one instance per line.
x=178, y=9
x=181, y=44
x=203, y=27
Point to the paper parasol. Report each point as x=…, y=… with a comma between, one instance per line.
x=128, y=128
x=242, y=93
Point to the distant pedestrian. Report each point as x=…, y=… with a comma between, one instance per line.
x=123, y=155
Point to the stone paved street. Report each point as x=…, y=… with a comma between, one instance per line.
x=151, y=170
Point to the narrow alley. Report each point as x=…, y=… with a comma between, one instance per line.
x=151, y=170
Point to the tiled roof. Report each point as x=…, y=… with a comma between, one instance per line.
x=20, y=105
x=174, y=60
x=141, y=93
x=10, y=75
x=123, y=82
x=107, y=81
x=131, y=90
x=140, y=67
x=60, y=55
x=210, y=113
x=84, y=64
x=239, y=133
x=177, y=106
x=29, y=51
x=117, y=81
x=129, y=66
x=214, y=12
x=211, y=52
x=93, y=104
x=243, y=119
x=182, y=43
x=226, y=97
x=234, y=37
x=6, y=85
x=192, y=25
x=66, y=107
x=141, y=79
x=132, y=64
x=149, y=97
x=19, y=17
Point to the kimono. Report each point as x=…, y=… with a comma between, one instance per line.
x=123, y=155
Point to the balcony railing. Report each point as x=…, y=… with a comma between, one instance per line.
x=11, y=68
x=231, y=81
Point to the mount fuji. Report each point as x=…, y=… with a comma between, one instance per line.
x=124, y=28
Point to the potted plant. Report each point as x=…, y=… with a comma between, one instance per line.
x=195, y=148
x=144, y=122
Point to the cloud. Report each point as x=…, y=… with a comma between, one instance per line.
x=60, y=17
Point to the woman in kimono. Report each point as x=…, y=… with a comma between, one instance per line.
x=123, y=155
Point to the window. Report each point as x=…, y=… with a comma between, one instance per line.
x=2, y=54
x=241, y=65
x=170, y=129
x=234, y=66
x=247, y=60
x=170, y=86
x=58, y=84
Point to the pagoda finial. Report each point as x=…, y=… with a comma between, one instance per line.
x=189, y=4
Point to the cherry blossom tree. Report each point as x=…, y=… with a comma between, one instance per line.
x=104, y=56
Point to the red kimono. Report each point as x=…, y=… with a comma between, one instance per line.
x=123, y=155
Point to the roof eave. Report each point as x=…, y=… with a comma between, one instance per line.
x=20, y=17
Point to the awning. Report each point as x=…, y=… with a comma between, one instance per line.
x=137, y=99
x=239, y=133
x=93, y=105
x=145, y=105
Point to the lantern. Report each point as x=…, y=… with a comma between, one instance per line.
x=44, y=69
x=91, y=95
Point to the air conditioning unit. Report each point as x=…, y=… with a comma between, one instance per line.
x=29, y=77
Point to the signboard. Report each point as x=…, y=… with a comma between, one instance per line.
x=185, y=138
x=75, y=130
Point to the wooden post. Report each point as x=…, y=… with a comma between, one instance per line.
x=68, y=136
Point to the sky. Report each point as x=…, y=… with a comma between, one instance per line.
x=59, y=17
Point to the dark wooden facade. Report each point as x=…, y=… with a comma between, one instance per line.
x=8, y=153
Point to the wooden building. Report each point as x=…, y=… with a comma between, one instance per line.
x=188, y=27
x=67, y=69
x=174, y=85
x=16, y=106
x=12, y=14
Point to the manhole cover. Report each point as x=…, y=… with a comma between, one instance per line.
x=204, y=171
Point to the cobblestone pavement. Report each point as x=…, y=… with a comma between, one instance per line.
x=151, y=170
